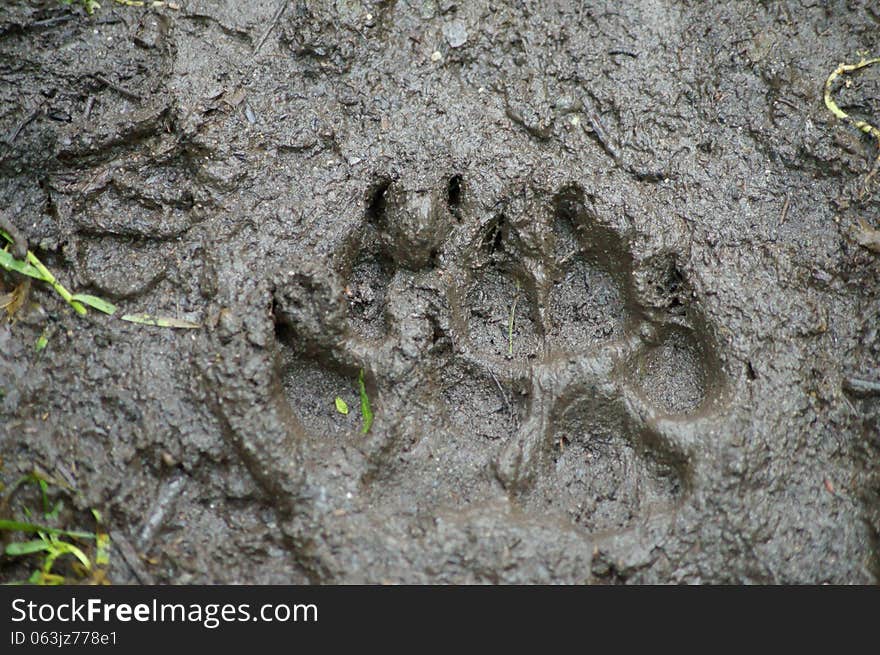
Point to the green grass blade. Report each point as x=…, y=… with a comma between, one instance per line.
x=27, y=547
x=102, y=556
x=64, y=548
x=59, y=289
x=44, y=493
x=18, y=526
x=366, y=411
x=45, y=579
x=42, y=273
x=96, y=303
x=10, y=263
x=160, y=321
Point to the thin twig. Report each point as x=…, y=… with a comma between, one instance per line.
x=501, y=389
x=278, y=12
x=861, y=387
x=510, y=323
x=131, y=95
x=51, y=22
x=785, y=209
x=788, y=103
x=598, y=132
x=120, y=543
x=13, y=135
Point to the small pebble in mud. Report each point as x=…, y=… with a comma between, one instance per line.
x=455, y=33
x=436, y=56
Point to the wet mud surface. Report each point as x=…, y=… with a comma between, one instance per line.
x=596, y=262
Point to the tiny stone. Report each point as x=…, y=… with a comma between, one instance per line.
x=436, y=56
x=455, y=33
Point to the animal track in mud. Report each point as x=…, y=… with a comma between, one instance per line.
x=671, y=373
x=302, y=372
x=500, y=320
x=476, y=406
x=524, y=358
x=366, y=291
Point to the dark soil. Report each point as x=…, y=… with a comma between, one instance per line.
x=596, y=260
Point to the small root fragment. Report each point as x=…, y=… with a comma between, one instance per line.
x=865, y=235
x=865, y=127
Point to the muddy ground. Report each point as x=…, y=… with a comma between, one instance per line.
x=596, y=260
